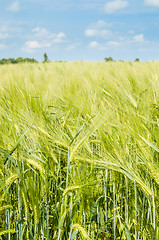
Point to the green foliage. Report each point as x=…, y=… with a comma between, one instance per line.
x=137, y=59
x=79, y=151
x=109, y=59
x=17, y=60
x=45, y=57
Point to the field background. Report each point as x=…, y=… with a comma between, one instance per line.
x=79, y=151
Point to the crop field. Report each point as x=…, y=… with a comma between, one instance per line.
x=79, y=151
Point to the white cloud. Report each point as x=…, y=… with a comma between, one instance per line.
x=117, y=41
x=42, y=38
x=14, y=7
x=106, y=38
x=40, y=31
x=9, y=32
x=103, y=33
x=2, y=46
x=61, y=35
x=154, y=3
x=4, y=32
x=115, y=5
x=99, y=30
x=99, y=46
x=90, y=32
x=32, y=44
x=4, y=36
x=131, y=32
x=105, y=45
x=100, y=24
x=42, y=34
x=114, y=43
x=59, y=38
x=93, y=44
x=139, y=38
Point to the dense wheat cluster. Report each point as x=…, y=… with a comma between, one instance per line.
x=79, y=151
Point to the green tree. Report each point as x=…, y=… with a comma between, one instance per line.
x=137, y=59
x=19, y=60
x=45, y=57
x=109, y=59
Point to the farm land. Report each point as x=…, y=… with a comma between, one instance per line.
x=79, y=151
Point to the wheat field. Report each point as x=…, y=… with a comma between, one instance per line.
x=79, y=151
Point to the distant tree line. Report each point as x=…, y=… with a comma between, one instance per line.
x=22, y=60
x=110, y=59
x=33, y=60
x=17, y=60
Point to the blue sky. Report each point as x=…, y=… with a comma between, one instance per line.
x=80, y=29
